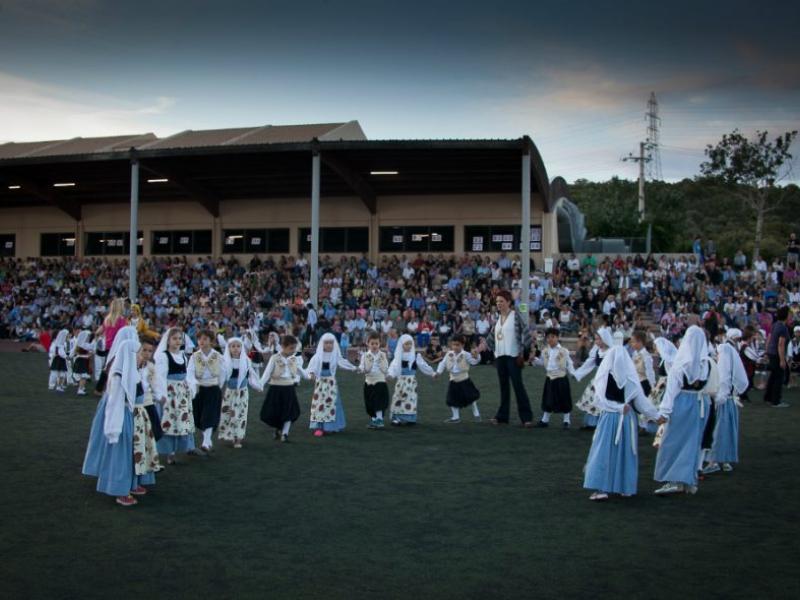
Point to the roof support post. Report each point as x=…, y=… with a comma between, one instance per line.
x=525, y=284
x=314, y=275
x=133, y=240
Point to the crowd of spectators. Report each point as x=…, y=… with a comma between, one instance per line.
x=427, y=296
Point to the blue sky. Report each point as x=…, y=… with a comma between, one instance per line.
x=575, y=76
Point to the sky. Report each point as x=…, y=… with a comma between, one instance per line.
x=575, y=76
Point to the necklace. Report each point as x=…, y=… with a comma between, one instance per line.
x=502, y=323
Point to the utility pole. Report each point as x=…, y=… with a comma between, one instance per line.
x=653, y=135
x=641, y=159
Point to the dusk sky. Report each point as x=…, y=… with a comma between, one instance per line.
x=574, y=77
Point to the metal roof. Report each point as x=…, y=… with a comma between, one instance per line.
x=263, y=162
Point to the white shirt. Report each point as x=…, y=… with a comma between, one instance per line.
x=507, y=346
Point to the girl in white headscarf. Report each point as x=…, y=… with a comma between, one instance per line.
x=613, y=466
x=238, y=373
x=176, y=413
x=732, y=383
x=110, y=453
x=603, y=341
x=405, y=364
x=691, y=382
x=327, y=411
x=58, y=361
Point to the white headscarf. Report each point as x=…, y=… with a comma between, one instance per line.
x=731, y=364
x=617, y=363
x=666, y=350
x=163, y=343
x=320, y=356
x=692, y=359
x=606, y=335
x=400, y=355
x=59, y=342
x=125, y=334
x=122, y=389
x=733, y=334
x=244, y=361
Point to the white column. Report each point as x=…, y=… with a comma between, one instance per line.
x=525, y=287
x=133, y=291
x=315, y=173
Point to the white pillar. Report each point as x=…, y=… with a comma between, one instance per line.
x=525, y=285
x=133, y=291
x=314, y=275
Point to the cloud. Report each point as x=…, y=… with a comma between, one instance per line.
x=37, y=111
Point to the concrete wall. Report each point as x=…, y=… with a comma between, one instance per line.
x=294, y=213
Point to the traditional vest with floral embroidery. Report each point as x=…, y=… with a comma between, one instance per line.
x=281, y=363
x=638, y=362
x=452, y=361
x=369, y=362
x=212, y=362
x=150, y=375
x=561, y=361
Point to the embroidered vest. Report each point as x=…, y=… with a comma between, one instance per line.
x=452, y=361
x=369, y=362
x=150, y=376
x=213, y=363
x=561, y=361
x=281, y=363
x=638, y=362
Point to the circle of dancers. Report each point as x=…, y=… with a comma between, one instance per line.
x=159, y=392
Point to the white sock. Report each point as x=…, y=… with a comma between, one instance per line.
x=207, y=437
x=545, y=417
x=475, y=411
x=286, y=426
x=456, y=412
x=379, y=414
x=51, y=383
x=566, y=418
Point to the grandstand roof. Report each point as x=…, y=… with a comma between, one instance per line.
x=211, y=166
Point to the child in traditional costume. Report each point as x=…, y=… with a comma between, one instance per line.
x=404, y=367
x=556, y=396
x=81, y=354
x=327, y=411
x=239, y=372
x=111, y=453
x=58, y=361
x=603, y=341
x=206, y=378
x=100, y=353
x=461, y=391
x=686, y=403
x=254, y=349
x=643, y=361
x=283, y=373
x=732, y=382
x=175, y=412
x=374, y=365
x=612, y=466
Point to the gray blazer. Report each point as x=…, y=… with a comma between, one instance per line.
x=522, y=332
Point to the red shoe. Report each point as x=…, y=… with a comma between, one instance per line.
x=139, y=491
x=127, y=501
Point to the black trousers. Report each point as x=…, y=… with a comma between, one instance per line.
x=507, y=369
x=772, y=393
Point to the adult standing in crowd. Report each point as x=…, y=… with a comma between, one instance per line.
x=510, y=339
x=776, y=354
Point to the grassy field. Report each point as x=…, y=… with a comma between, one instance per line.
x=436, y=511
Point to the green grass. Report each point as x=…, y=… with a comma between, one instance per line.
x=436, y=511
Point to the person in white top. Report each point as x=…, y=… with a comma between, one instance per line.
x=206, y=378
x=461, y=391
x=556, y=395
x=510, y=341
x=283, y=372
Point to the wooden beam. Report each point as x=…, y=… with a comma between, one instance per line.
x=354, y=181
x=42, y=192
x=207, y=199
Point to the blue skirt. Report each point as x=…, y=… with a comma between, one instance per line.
x=333, y=426
x=678, y=458
x=97, y=441
x=405, y=418
x=115, y=472
x=613, y=468
x=590, y=420
x=173, y=444
x=726, y=434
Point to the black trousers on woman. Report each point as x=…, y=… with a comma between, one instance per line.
x=507, y=369
x=774, y=390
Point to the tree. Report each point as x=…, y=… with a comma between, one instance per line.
x=751, y=168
